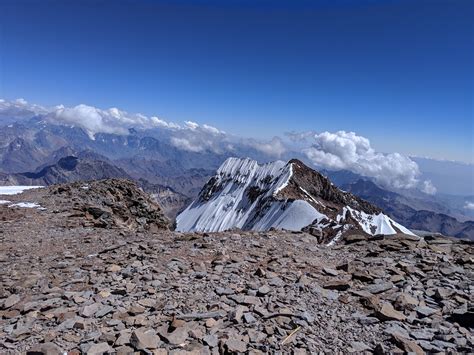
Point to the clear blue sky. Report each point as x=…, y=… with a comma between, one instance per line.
x=398, y=72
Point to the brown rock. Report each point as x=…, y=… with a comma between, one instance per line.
x=387, y=312
x=407, y=345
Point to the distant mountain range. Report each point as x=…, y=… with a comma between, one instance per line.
x=36, y=152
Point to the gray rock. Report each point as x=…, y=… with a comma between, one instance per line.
x=249, y=318
x=235, y=346
x=263, y=290
x=90, y=310
x=425, y=311
x=178, y=336
x=144, y=339
x=99, y=349
x=357, y=346
x=104, y=311
x=210, y=340
x=379, y=287
x=11, y=301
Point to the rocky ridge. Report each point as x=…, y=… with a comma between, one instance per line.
x=291, y=196
x=78, y=287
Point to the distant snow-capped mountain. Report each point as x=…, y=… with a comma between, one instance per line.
x=249, y=196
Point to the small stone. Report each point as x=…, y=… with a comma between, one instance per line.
x=220, y=291
x=114, y=268
x=407, y=345
x=104, y=293
x=330, y=272
x=379, y=288
x=422, y=334
x=99, y=349
x=79, y=324
x=104, y=311
x=48, y=348
x=142, y=340
x=357, y=346
x=147, y=302
x=90, y=310
x=123, y=350
x=11, y=301
x=443, y=293
x=340, y=285
x=177, y=337
x=211, y=322
x=235, y=346
x=405, y=301
x=210, y=340
x=249, y=318
x=387, y=312
x=263, y=290
x=136, y=309
x=425, y=311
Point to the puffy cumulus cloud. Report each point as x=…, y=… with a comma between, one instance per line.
x=469, y=206
x=273, y=148
x=347, y=150
x=113, y=120
x=19, y=109
x=91, y=119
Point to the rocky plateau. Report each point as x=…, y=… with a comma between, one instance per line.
x=95, y=269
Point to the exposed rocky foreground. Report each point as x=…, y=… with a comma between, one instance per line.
x=69, y=283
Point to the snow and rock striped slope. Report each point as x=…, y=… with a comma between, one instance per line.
x=249, y=196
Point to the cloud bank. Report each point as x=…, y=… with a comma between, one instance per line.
x=330, y=150
x=346, y=150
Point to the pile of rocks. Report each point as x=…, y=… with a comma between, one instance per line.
x=108, y=203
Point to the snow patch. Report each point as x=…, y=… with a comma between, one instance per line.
x=4, y=202
x=373, y=224
x=311, y=197
x=14, y=190
x=27, y=205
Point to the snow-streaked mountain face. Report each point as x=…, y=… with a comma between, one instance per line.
x=249, y=196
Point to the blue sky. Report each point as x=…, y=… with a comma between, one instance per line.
x=397, y=72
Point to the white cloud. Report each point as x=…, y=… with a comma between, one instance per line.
x=273, y=148
x=347, y=150
x=19, y=109
x=191, y=125
x=92, y=119
x=428, y=187
x=212, y=129
x=186, y=144
x=469, y=206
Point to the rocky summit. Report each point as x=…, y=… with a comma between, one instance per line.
x=246, y=195
x=91, y=268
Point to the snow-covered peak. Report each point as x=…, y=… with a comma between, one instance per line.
x=247, y=195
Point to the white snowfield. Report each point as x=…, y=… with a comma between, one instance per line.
x=26, y=205
x=229, y=206
x=374, y=223
x=232, y=208
x=14, y=190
